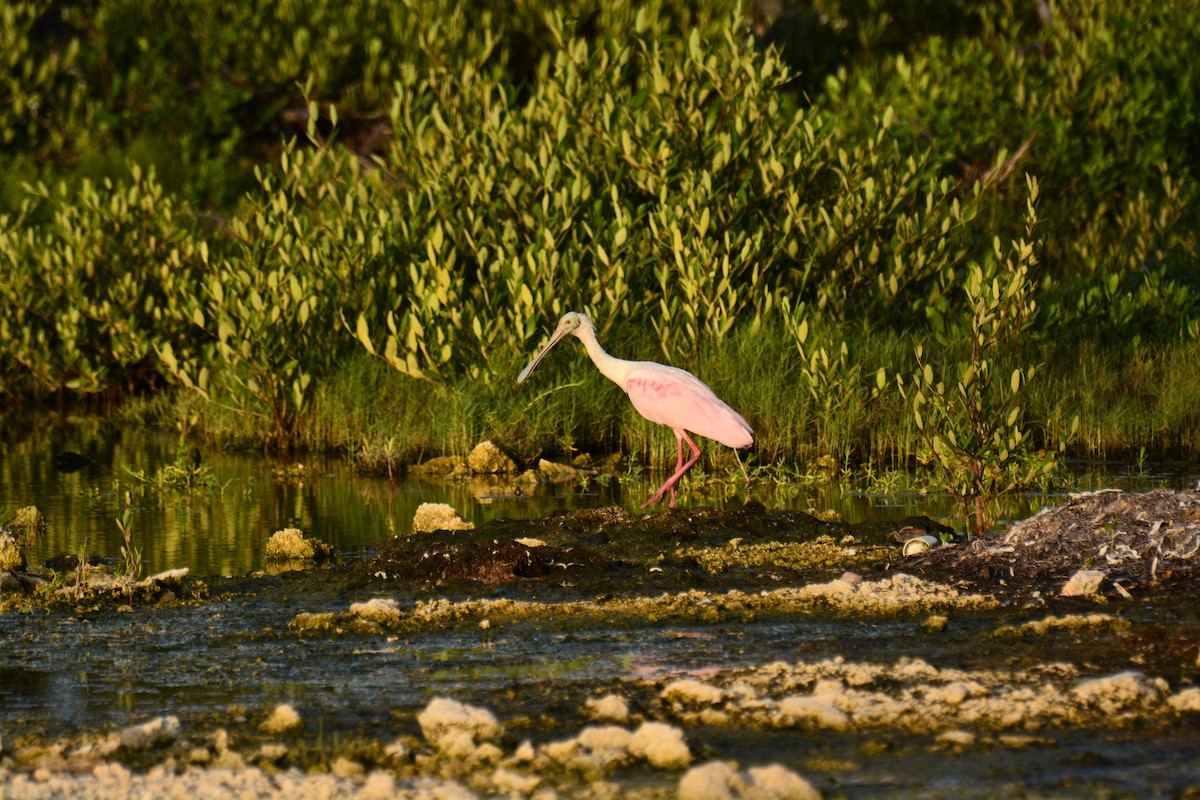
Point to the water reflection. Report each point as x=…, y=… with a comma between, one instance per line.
x=223, y=531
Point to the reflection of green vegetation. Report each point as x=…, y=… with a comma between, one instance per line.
x=351, y=235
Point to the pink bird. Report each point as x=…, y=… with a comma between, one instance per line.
x=666, y=395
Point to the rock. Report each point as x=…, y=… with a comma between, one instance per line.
x=1186, y=700
x=1124, y=691
x=346, y=768
x=799, y=708
x=488, y=459
x=158, y=731
x=662, y=745
x=440, y=467
x=512, y=783
x=776, y=782
x=716, y=780
x=1084, y=583
x=282, y=720
x=606, y=744
x=290, y=544
x=693, y=692
x=379, y=785
x=527, y=478
x=557, y=473
x=957, y=738
x=443, y=718
x=380, y=610
x=431, y=517
x=610, y=708
x=10, y=550
x=272, y=752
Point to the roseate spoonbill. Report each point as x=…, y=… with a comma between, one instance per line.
x=666, y=395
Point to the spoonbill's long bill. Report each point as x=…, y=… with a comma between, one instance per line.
x=666, y=395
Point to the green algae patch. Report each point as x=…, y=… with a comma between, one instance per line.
x=823, y=551
x=1067, y=622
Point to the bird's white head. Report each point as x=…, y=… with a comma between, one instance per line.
x=572, y=323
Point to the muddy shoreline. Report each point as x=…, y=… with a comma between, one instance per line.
x=694, y=654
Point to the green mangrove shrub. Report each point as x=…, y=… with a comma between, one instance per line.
x=972, y=422
x=95, y=274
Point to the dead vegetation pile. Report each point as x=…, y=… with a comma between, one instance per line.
x=1138, y=540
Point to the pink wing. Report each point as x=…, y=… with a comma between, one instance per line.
x=678, y=399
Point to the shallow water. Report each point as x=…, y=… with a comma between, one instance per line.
x=223, y=531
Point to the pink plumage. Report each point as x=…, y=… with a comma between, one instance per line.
x=666, y=395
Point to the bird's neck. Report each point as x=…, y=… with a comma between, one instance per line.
x=615, y=369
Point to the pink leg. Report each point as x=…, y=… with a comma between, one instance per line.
x=680, y=469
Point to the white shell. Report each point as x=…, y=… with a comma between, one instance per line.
x=919, y=544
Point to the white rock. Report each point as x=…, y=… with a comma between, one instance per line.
x=692, y=691
x=283, y=719
x=487, y=459
x=610, y=708
x=959, y=738
x=160, y=730
x=431, y=517
x=776, y=782
x=510, y=782
x=1123, y=691
x=379, y=785
x=716, y=780
x=662, y=745
x=380, y=610
x=801, y=708
x=1084, y=583
x=1183, y=700
x=443, y=716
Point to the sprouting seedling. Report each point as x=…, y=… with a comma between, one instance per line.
x=131, y=554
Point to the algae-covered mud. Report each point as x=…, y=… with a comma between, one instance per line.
x=598, y=653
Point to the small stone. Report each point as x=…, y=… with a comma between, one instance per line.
x=1123, y=691
x=1185, y=700
x=488, y=459
x=799, y=708
x=271, y=752
x=283, y=719
x=346, y=768
x=530, y=542
x=557, y=473
x=776, y=782
x=693, y=692
x=610, y=708
x=160, y=730
x=1084, y=583
x=509, y=782
x=380, y=610
x=379, y=785
x=439, y=467
x=957, y=738
x=661, y=745
x=443, y=717
x=431, y=517
x=716, y=780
